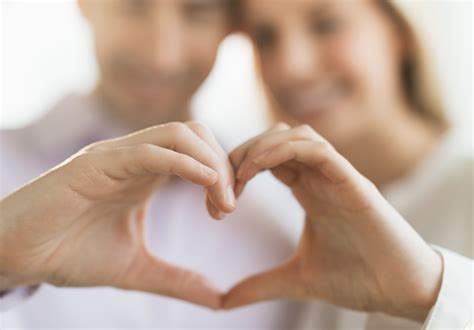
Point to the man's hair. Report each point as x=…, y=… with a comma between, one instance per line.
x=234, y=11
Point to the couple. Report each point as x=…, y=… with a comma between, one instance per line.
x=377, y=182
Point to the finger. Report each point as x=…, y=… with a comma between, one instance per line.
x=164, y=135
x=278, y=283
x=270, y=141
x=213, y=210
x=285, y=174
x=150, y=274
x=180, y=138
x=239, y=188
x=150, y=160
x=225, y=184
x=316, y=155
x=238, y=154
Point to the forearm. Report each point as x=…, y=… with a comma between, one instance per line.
x=422, y=298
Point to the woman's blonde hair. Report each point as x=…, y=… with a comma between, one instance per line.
x=418, y=75
x=417, y=72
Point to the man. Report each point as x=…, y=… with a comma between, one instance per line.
x=152, y=55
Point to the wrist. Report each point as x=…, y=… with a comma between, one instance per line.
x=14, y=270
x=426, y=298
x=14, y=274
x=11, y=273
x=8, y=281
x=424, y=294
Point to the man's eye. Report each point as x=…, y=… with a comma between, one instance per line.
x=264, y=38
x=135, y=7
x=325, y=26
x=202, y=10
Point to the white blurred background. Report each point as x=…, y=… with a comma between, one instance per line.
x=47, y=53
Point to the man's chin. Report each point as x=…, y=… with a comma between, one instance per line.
x=147, y=113
x=140, y=111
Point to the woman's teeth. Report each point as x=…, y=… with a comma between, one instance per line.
x=312, y=102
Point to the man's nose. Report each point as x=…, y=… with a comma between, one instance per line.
x=299, y=59
x=167, y=43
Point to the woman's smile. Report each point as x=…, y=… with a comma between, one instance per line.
x=313, y=101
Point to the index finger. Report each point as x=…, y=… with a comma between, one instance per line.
x=238, y=154
x=181, y=138
x=224, y=187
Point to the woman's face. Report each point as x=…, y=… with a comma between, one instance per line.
x=333, y=64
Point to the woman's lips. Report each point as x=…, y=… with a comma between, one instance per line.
x=311, y=103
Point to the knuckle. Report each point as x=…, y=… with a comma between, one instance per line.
x=253, y=151
x=281, y=125
x=257, y=147
x=305, y=131
x=321, y=145
x=144, y=149
x=197, y=126
x=96, y=146
x=177, y=128
x=234, y=156
x=287, y=145
x=324, y=145
x=84, y=158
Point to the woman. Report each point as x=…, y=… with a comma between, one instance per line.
x=369, y=133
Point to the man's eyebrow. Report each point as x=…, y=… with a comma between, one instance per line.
x=207, y=3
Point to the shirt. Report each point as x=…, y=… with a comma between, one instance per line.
x=436, y=198
x=260, y=234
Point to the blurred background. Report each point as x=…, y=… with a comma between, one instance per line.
x=47, y=53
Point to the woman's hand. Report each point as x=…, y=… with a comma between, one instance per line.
x=82, y=223
x=356, y=251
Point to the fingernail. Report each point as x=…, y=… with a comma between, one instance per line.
x=240, y=172
x=230, y=196
x=208, y=171
x=238, y=188
x=218, y=215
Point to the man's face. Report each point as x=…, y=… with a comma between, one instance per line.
x=154, y=54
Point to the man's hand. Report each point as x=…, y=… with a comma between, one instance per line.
x=82, y=223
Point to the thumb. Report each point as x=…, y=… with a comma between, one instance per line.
x=278, y=283
x=156, y=276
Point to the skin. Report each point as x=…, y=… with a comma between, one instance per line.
x=154, y=54
x=98, y=239
x=318, y=63
x=332, y=67
x=356, y=250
